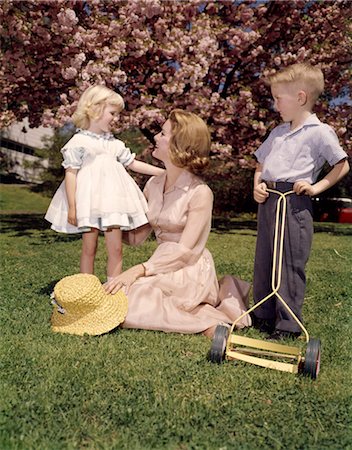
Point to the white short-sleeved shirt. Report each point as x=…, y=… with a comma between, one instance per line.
x=299, y=154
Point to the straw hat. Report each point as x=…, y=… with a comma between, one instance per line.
x=83, y=307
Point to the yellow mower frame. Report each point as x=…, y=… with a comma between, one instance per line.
x=227, y=345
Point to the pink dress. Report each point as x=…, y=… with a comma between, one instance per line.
x=180, y=292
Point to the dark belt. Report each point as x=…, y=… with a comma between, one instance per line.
x=281, y=186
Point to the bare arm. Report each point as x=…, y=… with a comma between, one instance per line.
x=129, y=276
x=70, y=185
x=137, y=236
x=172, y=256
x=146, y=169
x=125, y=279
x=259, y=187
x=336, y=173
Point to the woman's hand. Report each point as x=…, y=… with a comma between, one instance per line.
x=125, y=279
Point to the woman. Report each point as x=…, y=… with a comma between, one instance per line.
x=176, y=290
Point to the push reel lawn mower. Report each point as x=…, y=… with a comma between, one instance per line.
x=288, y=358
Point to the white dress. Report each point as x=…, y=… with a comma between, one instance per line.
x=106, y=195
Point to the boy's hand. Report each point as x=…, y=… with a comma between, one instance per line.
x=259, y=193
x=71, y=217
x=303, y=188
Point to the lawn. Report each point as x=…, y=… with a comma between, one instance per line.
x=133, y=389
x=18, y=198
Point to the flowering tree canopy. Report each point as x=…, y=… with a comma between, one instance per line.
x=206, y=56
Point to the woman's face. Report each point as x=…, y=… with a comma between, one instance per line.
x=162, y=143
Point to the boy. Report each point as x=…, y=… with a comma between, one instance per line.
x=290, y=159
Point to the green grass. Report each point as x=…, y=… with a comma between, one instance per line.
x=134, y=389
x=17, y=197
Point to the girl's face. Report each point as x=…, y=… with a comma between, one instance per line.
x=162, y=143
x=104, y=123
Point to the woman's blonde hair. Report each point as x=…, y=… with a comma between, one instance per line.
x=190, y=141
x=92, y=103
x=311, y=78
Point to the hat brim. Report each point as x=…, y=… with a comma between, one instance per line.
x=103, y=319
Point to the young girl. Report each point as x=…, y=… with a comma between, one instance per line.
x=97, y=192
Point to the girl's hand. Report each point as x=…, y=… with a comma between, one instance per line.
x=71, y=217
x=259, y=193
x=125, y=279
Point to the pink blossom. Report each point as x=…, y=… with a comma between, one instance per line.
x=247, y=14
x=69, y=73
x=78, y=60
x=341, y=131
x=67, y=19
x=168, y=54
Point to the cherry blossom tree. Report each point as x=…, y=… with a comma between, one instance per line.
x=206, y=56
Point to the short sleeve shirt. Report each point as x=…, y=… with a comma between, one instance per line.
x=299, y=154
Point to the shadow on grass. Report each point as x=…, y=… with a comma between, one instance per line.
x=48, y=289
x=223, y=225
x=24, y=224
x=333, y=228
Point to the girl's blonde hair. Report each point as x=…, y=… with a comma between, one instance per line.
x=190, y=141
x=92, y=102
x=311, y=78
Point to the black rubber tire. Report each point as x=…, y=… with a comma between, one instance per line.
x=311, y=364
x=218, y=346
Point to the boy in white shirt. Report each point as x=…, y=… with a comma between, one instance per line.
x=291, y=158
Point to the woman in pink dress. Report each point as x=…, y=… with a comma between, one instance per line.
x=177, y=290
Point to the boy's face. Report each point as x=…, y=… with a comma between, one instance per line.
x=287, y=100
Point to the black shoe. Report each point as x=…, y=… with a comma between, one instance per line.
x=279, y=335
x=263, y=325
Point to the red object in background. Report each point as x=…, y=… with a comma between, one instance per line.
x=345, y=215
x=335, y=209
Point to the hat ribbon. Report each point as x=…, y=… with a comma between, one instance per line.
x=60, y=309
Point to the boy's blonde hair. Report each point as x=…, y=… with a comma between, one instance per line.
x=310, y=77
x=92, y=103
x=190, y=141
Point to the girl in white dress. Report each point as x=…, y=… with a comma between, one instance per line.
x=97, y=192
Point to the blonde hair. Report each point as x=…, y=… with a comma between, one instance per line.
x=92, y=103
x=190, y=141
x=311, y=78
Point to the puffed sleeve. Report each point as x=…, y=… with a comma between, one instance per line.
x=73, y=157
x=124, y=154
x=172, y=256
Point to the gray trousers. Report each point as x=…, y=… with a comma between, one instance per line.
x=297, y=245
